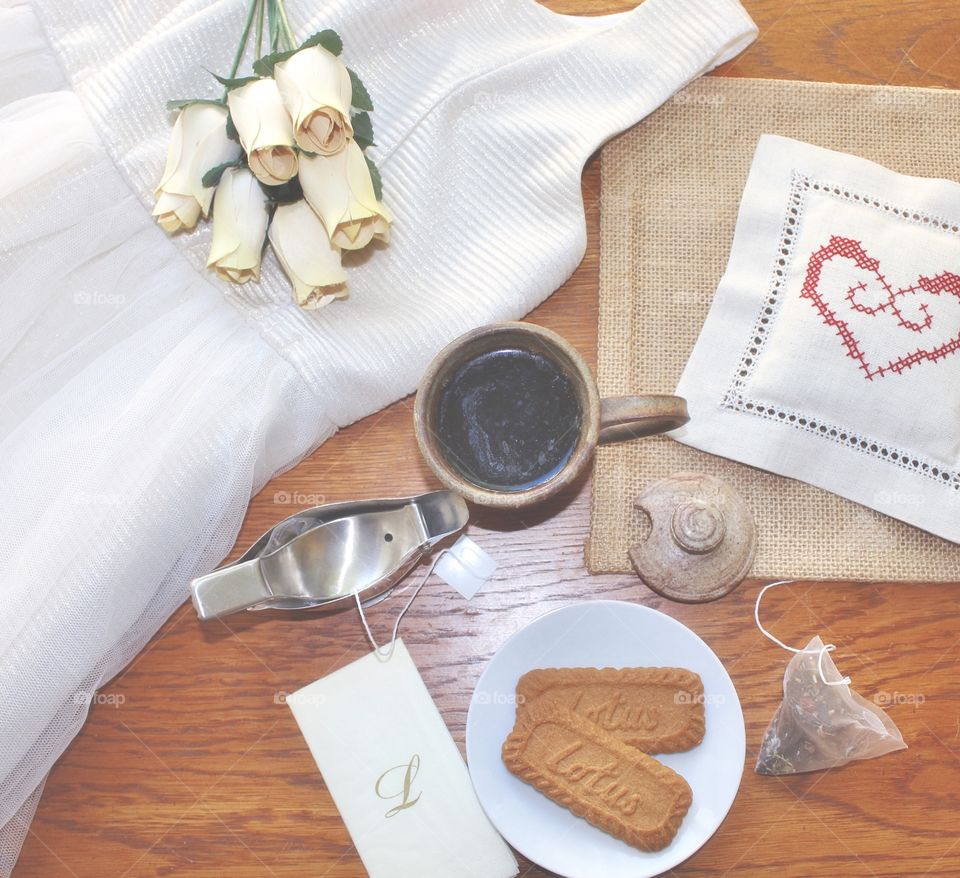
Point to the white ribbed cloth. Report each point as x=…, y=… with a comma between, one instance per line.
x=141, y=400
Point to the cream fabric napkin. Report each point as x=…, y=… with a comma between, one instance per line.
x=396, y=775
x=831, y=352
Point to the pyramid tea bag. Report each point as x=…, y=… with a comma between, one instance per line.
x=819, y=725
x=822, y=722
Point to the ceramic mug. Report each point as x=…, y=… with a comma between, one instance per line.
x=522, y=378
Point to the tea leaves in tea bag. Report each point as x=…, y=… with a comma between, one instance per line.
x=822, y=723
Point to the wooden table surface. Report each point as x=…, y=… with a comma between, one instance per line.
x=192, y=764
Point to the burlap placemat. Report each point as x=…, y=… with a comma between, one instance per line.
x=670, y=192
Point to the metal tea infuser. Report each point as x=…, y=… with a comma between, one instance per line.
x=320, y=558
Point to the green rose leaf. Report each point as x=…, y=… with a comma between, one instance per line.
x=362, y=129
x=212, y=177
x=232, y=132
x=286, y=193
x=264, y=66
x=236, y=82
x=328, y=39
x=374, y=177
x=186, y=102
x=361, y=97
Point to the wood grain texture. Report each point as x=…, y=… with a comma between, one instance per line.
x=192, y=765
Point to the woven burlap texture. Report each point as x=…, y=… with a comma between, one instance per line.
x=671, y=188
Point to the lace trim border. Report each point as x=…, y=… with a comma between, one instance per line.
x=735, y=397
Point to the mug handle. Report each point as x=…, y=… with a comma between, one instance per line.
x=629, y=417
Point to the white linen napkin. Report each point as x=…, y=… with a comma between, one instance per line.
x=831, y=352
x=395, y=773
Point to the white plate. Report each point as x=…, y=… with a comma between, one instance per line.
x=602, y=634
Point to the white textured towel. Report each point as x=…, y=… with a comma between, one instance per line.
x=141, y=400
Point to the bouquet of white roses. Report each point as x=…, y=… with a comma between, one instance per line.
x=279, y=156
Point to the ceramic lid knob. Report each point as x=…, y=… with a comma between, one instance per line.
x=697, y=526
x=702, y=538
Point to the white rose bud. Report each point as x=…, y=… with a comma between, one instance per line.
x=311, y=262
x=317, y=93
x=265, y=130
x=199, y=142
x=340, y=191
x=240, y=220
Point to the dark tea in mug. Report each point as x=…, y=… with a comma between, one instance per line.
x=509, y=414
x=508, y=420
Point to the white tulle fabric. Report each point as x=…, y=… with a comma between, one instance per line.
x=142, y=402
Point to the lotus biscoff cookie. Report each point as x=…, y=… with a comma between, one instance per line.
x=617, y=788
x=656, y=710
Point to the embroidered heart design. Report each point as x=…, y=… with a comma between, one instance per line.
x=886, y=302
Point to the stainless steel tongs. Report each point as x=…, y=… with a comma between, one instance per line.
x=320, y=557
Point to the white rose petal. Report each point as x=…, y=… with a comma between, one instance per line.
x=175, y=212
x=317, y=93
x=340, y=190
x=240, y=219
x=265, y=130
x=198, y=143
x=311, y=262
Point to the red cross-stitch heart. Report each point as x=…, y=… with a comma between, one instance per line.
x=846, y=248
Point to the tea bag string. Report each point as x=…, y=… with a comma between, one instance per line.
x=829, y=647
x=385, y=653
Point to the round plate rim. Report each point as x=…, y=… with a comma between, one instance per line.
x=505, y=833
